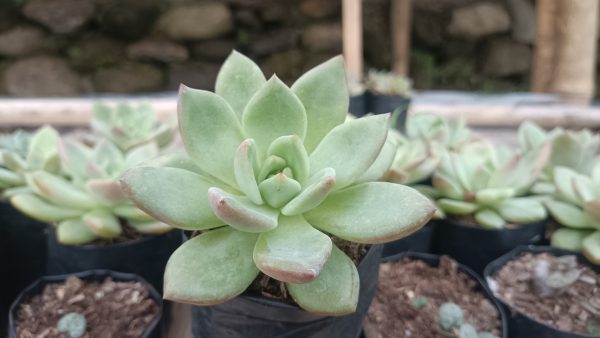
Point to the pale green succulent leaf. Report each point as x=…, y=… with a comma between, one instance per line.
x=13, y=161
x=382, y=164
x=362, y=214
x=279, y=189
x=591, y=247
x=563, y=180
x=272, y=165
x=74, y=157
x=178, y=160
x=493, y=196
x=10, y=179
x=41, y=210
x=489, y=219
x=568, y=214
x=522, y=210
x=61, y=192
x=447, y=186
x=140, y=154
x=211, y=268
x=103, y=223
x=317, y=189
x=592, y=209
x=583, y=188
x=42, y=152
x=461, y=172
x=274, y=111
x=570, y=239
x=246, y=169
x=175, y=196
x=238, y=80
x=543, y=188
x=292, y=151
x=456, y=207
x=293, y=252
x=334, y=292
x=74, y=232
x=240, y=213
x=151, y=227
x=351, y=148
x=210, y=131
x=323, y=91
x=531, y=135
x=107, y=189
x=131, y=213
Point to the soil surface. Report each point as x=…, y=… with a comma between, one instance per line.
x=392, y=313
x=570, y=310
x=274, y=289
x=112, y=309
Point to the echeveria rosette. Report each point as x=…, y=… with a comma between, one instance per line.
x=276, y=172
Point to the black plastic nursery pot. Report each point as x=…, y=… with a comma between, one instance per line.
x=22, y=254
x=154, y=329
x=250, y=316
x=475, y=246
x=419, y=241
x=146, y=256
x=434, y=260
x=521, y=325
x=358, y=105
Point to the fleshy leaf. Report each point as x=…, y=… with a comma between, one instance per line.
x=318, y=188
x=272, y=165
x=568, y=214
x=570, y=239
x=272, y=112
x=210, y=131
x=591, y=247
x=175, y=196
x=238, y=80
x=291, y=150
x=592, y=209
x=107, y=189
x=323, y=91
x=74, y=232
x=522, y=210
x=563, y=179
x=42, y=149
x=211, y=268
x=362, y=214
x=132, y=213
x=455, y=207
x=293, y=252
x=351, y=148
x=493, y=196
x=61, y=192
x=103, y=223
x=334, y=292
x=37, y=208
x=246, y=167
x=382, y=164
x=74, y=156
x=447, y=187
x=9, y=178
x=279, y=189
x=150, y=227
x=490, y=219
x=141, y=154
x=241, y=213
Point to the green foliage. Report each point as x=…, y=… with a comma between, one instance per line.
x=281, y=170
x=419, y=302
x=73, y=324
x=450, y=316
x=387, y=83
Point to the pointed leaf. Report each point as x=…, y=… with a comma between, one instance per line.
x=10, y=179
x=13, y=161
x=211, y=268
x=272, y=165
x=493, y=196
x=570, y=239
x=455, y=207
x=291, y=150
x=583, y=188
x=241, y=213
x=140, y=154
x=238, y=80
x=102, y=223
x=567, y=214
x=106, y=189
x=591, y=247
x=245, y=168
x=210, y=131
x=489, y=219
x=334, y=292
x=150, y=227
x=383, y=162
x=74, y=232
x=175, y=196
x=293, y=252
x=279, y=190
x=272, y=112
x=74, y=156
x=351, y=148
x=447, y=186
x=375, y=212
x=109, y=160
x=61, y=192
x=132, y=213
x=563, y=179
x=319, y=187
x=42, y=148
x=522, y=210
x=37, y=208
x=324, y=93
x=531, y=135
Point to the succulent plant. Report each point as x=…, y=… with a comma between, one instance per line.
x=576, y=206
x=491, y=184
x=451, y=318
x=86, y=203
x=387, y=83
x=276, y=172
x=419, y=302
x=73, y=324
x=552, y=277
x=21, y=153
x=128, y=126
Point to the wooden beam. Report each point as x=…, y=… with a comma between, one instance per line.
x=565, y=53
x=401, y=18
x=352, y=37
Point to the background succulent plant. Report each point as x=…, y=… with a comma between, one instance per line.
x=276, y=172
x=388, y=83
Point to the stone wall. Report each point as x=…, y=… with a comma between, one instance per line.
x=73, y=47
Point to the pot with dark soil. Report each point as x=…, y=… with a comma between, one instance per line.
x=388, y=92
x=427, y=296
x=358, y=105
x=549, y=292
x=90, y=304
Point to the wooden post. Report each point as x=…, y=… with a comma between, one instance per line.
x=401, y=12
x=565, y=53
x=352, y=37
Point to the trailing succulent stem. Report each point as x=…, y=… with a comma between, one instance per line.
x=273, y=172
